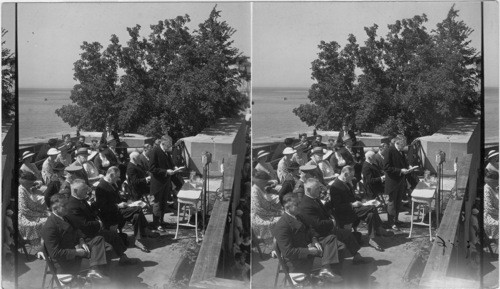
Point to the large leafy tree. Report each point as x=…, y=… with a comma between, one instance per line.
x=174, y=80
x=411, y=82
x=8, y=82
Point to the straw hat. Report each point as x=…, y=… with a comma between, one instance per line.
x=492, y=153
x=27, y=154
x=308, y=168
x=262, y=154
x=288, y=151
x=53, y=152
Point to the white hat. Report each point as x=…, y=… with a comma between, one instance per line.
x=53, y=152
x=288, y=151
x=27, y=154
x=492, y=153
x=262, y=153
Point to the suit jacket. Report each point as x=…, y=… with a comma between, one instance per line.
x=346, y=155
x=341, y=196
x=159, y=163
x=373, y=179
x=394, y=161
x=342, y=133
x=137, y=179
x=316, y=216
x=292, y=237
x=144, y=161
x=379, y=162
x=60, y=240
x=107, y=200
x=82, y=217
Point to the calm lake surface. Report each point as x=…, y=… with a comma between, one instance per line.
x=271, y=113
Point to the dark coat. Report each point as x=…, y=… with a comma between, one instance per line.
x=394, y=161
x=292, y=237
x=104, y=137
x=82, y=217
x=113, y=161
x=137, y=179
x=107, y=200
x=159, y=163
x=340, y=137
x=372, y=179
x=341, y=197
x=316, y=216
x=52, y=188
x=349, y=160
x=60, y=240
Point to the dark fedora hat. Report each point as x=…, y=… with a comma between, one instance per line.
x=27, y=176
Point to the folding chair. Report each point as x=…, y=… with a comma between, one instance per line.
x=57, y=280
x=282, y=268
x=256, y=244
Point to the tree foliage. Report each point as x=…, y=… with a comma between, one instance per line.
x=411, y=82
x=174, y=80
x=8, y=82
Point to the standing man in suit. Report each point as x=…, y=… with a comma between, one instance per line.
x=82, y=217
x=316, y=215
x=162, y=171
x=299, y=244
x=372, y=176
x=67, y=246
x=396, y=169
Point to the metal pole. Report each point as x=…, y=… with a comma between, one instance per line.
x=204, y=200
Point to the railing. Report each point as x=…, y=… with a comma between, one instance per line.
x=448, y=254
x=217, y=242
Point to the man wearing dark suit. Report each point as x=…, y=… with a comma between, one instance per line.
x=67, y=245
x=144, y=157
x=82, y=217
x=137, y=176
x=349, y=210
x=345, y=134
x=109, y=134
x=162, y=171
x=372, y=176
x=396, y=169
x=379, y=156
x=115, y=211
x=299, y=244
x=315, y=215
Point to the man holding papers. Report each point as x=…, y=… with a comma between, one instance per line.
x=396, y=169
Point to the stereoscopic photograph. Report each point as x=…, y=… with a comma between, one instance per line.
x=372, y=151
x=133, y=132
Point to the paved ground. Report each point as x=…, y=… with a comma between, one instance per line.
x=161, y=268
x=386, y=269
x=393, y=268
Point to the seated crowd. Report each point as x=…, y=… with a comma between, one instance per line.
x=312, y=205
x=76, y=206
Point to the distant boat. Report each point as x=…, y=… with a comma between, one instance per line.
x=45, y=99
x=284, y=98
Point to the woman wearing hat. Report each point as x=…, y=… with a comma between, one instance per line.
x=492, y=161
x=28, y=166
x=284, y=162
x=264, y=166
x=48, y=165
x=64, y=157
x=32, y=210
x=266, y=209
x=491, y=205
x=55, y=184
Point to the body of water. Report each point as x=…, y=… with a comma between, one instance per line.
x=272, y=112
x=37, y=111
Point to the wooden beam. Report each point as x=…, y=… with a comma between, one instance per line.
x=436, y=269
x=206, y=265
x=216, y=283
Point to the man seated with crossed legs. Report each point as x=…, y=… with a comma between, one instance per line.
x=299, y=244
x=67, y=246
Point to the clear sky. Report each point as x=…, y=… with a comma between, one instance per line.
x=286, y=34
x=50, y=34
